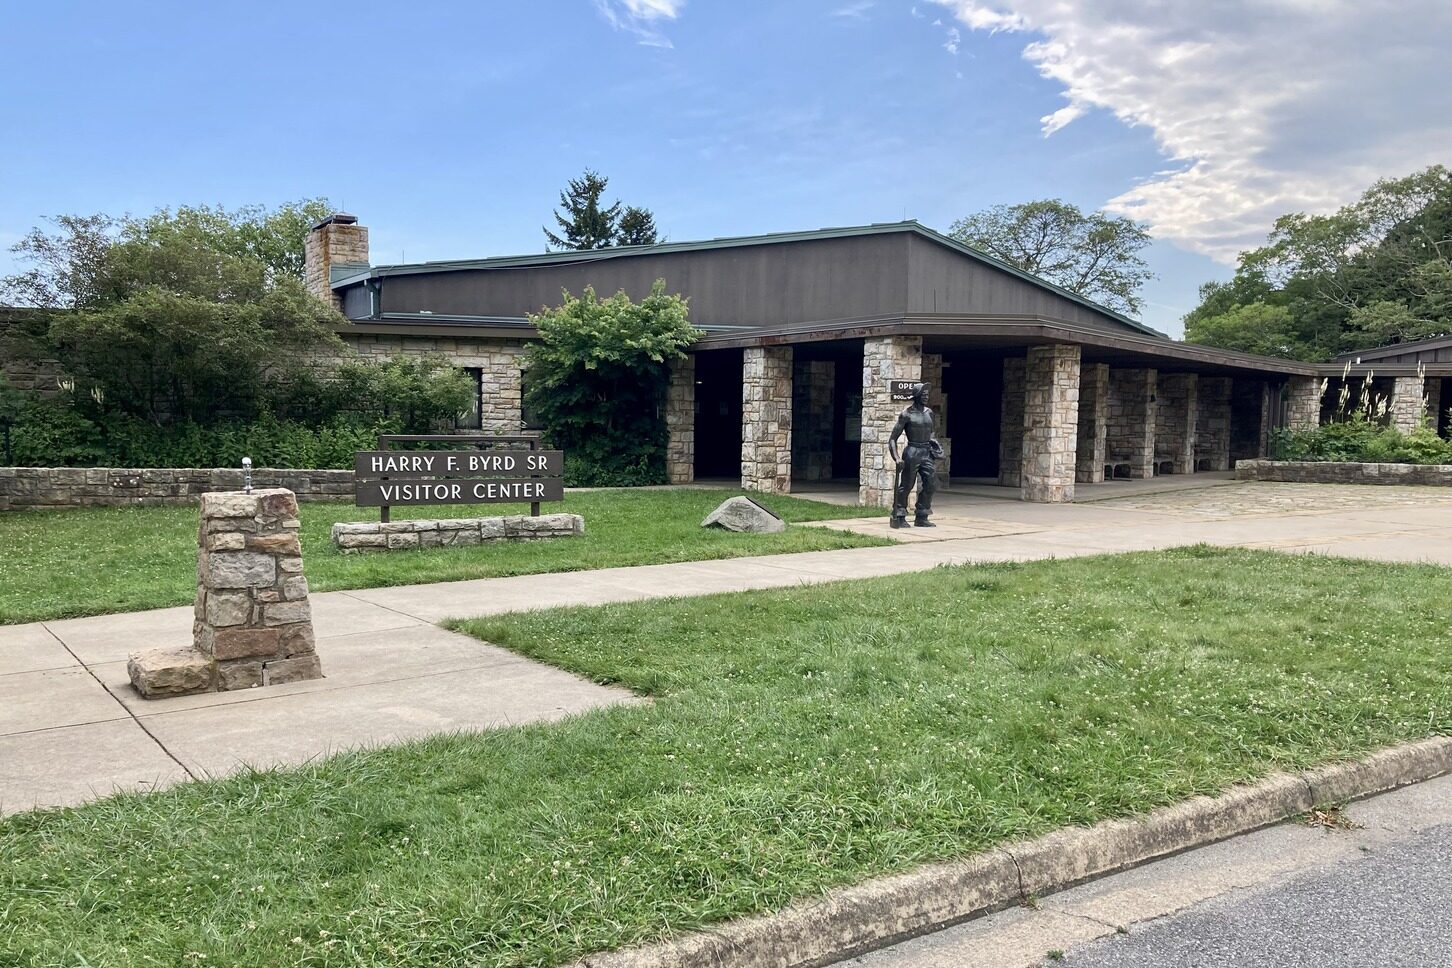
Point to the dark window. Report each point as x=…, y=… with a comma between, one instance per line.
x=527, y=416
x=469, y=419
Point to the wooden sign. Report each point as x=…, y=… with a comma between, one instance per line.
x=377, y=494
x=405, y=465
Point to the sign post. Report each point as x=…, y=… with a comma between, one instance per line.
x=388, y=477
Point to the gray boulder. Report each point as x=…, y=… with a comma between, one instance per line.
x=744, y=514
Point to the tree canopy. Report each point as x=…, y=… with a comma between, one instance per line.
x=584, y=222
x=1374, y=272
x=178, y=315
x=597, y=379
x=1094, y=255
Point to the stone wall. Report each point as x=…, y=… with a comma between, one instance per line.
x=1093, y=421
x=1408, y=403
x=1303, y=403
x=813, y=389
x=938, y=403
x=680, y=418
x=1212, y=423
x=1051, y=423
x=500, y=360
x=331, y=243
x=1328, y=472
x=359, y=536
x=884, y=359
x=1130, y=427
x=766, y=419
x=41, y=376
x=1176, y=416
x=70, y=487
x=1010, y=424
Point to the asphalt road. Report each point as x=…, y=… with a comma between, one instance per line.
x=1375, y=890
x=1393, y=907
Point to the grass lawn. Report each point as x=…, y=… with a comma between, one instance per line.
x=800, y=738
x=63, y=564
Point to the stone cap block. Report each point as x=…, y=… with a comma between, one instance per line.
x=170, y=672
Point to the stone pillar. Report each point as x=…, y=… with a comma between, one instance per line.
x=884, y=358
x=252, y=625
x=938, y=403
x=501, y=403
x=1050, y=423
x=1212, y=422
x=1303, y=411
x=1093, y=419
x=1408, y=403
x=766, y=419
x=1010, y=424
x=1130, y=436
x=813, y=393
x=338, y=241
x=1175, y=420
x=680, y=418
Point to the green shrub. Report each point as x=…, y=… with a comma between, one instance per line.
x=1363, y=441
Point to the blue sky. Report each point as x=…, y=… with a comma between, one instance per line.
x=450, y=128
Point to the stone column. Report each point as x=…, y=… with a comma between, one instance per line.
x=680, y=418
x=1303, y=411
x=1175, y=420
x=1131, y=424
x=1011, y=425
x=938, y=403
x=813, y=390
x=1093, y=418
x=1051, y=423
x=501, y=404
x=766, y=419
x=884, y=358
x=1212, y=423
x=338, y=241
x=252, y=624
x=1408, y=403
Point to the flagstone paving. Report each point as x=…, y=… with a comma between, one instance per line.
x=72, y=728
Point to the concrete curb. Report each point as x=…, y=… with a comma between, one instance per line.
x=848, y=921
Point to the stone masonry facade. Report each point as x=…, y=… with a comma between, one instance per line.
x=884, y=359
x=1212, y=423
x=1093, y=421
x=1051, y=423
x=1303, y=407
x=252, y=623
x=813, y=389
x=1130, y=427
x=1343, y=472
x=1010, y=427
x=1175, y=419
x=23, y=488
x=766, y=419
x=938, y=403
x=1408, y=403
x=680, y=418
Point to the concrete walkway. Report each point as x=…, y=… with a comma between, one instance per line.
x=71, y=727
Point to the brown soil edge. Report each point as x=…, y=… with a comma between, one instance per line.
x=849, y=921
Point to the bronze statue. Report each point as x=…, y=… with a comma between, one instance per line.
x=917, y=461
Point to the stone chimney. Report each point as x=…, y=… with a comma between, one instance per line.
x=335, y=242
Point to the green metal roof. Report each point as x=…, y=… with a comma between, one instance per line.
x=626, y=251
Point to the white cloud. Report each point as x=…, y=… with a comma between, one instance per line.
x=1266, y=106
x=857, y=10
x=639, y=17
x=953, y=42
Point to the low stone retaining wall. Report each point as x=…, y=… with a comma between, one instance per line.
x=432, y=533
x=67, y=487
x=1338, y=472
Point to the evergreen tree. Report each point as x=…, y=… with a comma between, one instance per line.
x=583, y=222
x=637, y=227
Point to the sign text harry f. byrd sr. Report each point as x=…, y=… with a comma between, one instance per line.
x=452, y=477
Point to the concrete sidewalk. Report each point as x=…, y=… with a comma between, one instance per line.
x=71, y=727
